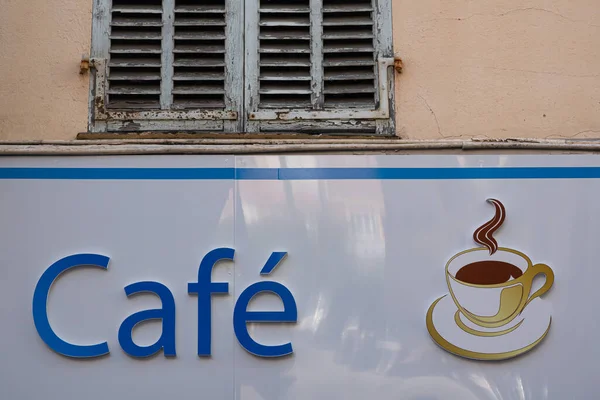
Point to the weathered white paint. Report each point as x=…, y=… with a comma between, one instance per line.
x=104, y=114
x=316, y=57
x=167, y=70
x=383, y=112
x=234, y=71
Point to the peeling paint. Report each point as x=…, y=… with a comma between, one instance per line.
x=382, y=112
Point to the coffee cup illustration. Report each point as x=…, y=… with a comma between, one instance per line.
x=491, y=291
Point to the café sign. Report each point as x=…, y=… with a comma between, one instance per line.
x=489, y=286
x=277, y=277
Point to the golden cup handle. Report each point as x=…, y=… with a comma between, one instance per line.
x=536, y=270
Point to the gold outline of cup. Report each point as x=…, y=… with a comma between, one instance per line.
x=513, y=298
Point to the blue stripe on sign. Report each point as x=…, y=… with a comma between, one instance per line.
x=290, y=174
x=118, y=173
x=257, y=174
x=440, y=173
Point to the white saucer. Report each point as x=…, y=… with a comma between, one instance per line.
x=536, y=319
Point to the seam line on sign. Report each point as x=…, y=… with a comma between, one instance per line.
x=291, y=174
x=233, y=273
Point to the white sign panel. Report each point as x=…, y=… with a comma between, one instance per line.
x=299, y=277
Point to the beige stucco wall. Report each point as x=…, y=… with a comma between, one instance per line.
x=503, y=68
x=42, y=95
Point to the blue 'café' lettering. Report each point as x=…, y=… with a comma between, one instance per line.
x=166, y=342
x=204, y=288
x=40, y=300
x=241, y=316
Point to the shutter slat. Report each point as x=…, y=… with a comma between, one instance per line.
x=191, y=76
x=285, y=101
x=199, y=36
x=284, y=36
x=135, y=62
x=349, y=76
x=199, y=22
x=349, y=54
x=349, y=48
x=135, y=51
x=136, y=36
x=285, y=49
x=127, y=47
x=348, y=35
x=349, y=21
x=208, y=9
x=135, y=102
x=135, y=22
x=285, y=64
x=277, y=20
x=285, y=91
x=350, y=88
x=137, y=8
x=199, y=54
x=191, y=48
x=285, y=78
x=199, y=90
x=134, y=90
x=183, y=102
x=348, y=63
x=199, y=63
x=282, y=8
x=284, y=23
x=127, y=75
x=347, y=7
x=278, y=74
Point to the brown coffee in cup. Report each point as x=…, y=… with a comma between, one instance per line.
x=488, y=272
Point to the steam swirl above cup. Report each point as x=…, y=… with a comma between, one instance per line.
x=484, y=234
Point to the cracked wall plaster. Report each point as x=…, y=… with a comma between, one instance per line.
x=497, y=69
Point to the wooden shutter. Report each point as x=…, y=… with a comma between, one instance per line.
x=310, y=65
x=319, y=66
x=167, y=65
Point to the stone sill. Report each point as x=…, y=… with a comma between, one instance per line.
x=280, y=145
x=232, y=136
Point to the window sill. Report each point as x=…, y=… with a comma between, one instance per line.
x=280, y=145
x=230, y=136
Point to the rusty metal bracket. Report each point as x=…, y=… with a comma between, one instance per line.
x=383, y=112
x=84, y=65
x=398, y=64
x=102, y=113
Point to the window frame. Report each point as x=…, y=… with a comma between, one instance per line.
x=241, y=80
